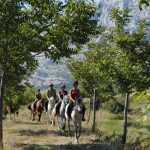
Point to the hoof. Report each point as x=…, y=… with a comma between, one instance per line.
x=52, y=125
x=76, y=142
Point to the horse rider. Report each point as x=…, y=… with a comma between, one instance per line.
x=51, y=92
x=74, y=94
x=61, y=95
x=38, y=96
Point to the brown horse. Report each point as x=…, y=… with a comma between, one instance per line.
x=11, y=110
x=36, y=110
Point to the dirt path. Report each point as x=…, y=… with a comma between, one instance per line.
x=22, y=134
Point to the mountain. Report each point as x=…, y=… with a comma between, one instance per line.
x=136, y=13
x=49, y=72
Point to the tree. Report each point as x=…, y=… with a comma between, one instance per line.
x=143, y=2
x=131, y=64
x=119, y=63
x=31, y=27
x=92, y=72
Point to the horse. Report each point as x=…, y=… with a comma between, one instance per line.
x=51, y=110
x=37, y=110
x=76, y=116
x=11, y=110
x=63, y=105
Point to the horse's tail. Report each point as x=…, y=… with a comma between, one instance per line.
x=29, y=106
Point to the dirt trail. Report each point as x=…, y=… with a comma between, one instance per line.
x=23, y=134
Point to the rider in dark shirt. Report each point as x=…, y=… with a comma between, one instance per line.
x=61, y=95
x=38, y=97
x=62, y=92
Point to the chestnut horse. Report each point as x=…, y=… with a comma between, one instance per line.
x=36, y=110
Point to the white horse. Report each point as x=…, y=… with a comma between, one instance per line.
x=51, y=112
x=63, y=105
x=76, y=116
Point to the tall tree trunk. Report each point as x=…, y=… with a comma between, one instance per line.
x=124, y=135
x=89, y=114
x=1, y=109
x=94, y=111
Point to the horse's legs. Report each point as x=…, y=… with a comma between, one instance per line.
x=39, y=117
x=79, y=130
x=51, y=120
x=17, y=113
x=63, y=123
x=49, y=114
x=57, y=119
x=76, y=132
x=33, y=116
x=69, y=128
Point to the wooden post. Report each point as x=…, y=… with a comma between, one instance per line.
x=94, y=111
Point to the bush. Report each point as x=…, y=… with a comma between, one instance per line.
x=113, y=106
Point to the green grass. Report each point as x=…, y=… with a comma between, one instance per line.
x=107, y=136
x=110, y=127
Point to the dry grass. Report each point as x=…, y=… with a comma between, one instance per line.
x=23, y=134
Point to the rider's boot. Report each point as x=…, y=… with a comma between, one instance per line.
x=83, y=113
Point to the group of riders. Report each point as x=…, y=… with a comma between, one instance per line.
x=73, y=96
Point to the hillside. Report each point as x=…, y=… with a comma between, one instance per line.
x=49, y=72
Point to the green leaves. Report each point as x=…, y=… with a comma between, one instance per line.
x=32, y=27
x=62, y=25
x=121, y=18
x=143, y=3
x=119, y=63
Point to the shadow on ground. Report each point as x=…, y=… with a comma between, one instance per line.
x=100, y=146
x=30, y=132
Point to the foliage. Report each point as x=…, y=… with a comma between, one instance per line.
x=144, y=95
x=44, y=94
x=113, y=106
x=143, y=2
x=28, y=95
x=32, y=27
x=90, y=71
x=119, y=63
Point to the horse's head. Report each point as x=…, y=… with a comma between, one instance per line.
x=78, y=108
x=40, y=105
x=78, y=105
x=66, y=99
x=51, y=100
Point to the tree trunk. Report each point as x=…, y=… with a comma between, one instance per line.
x=94, y=112
x=1, y=109
x=124, y=135
x=89, y=114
